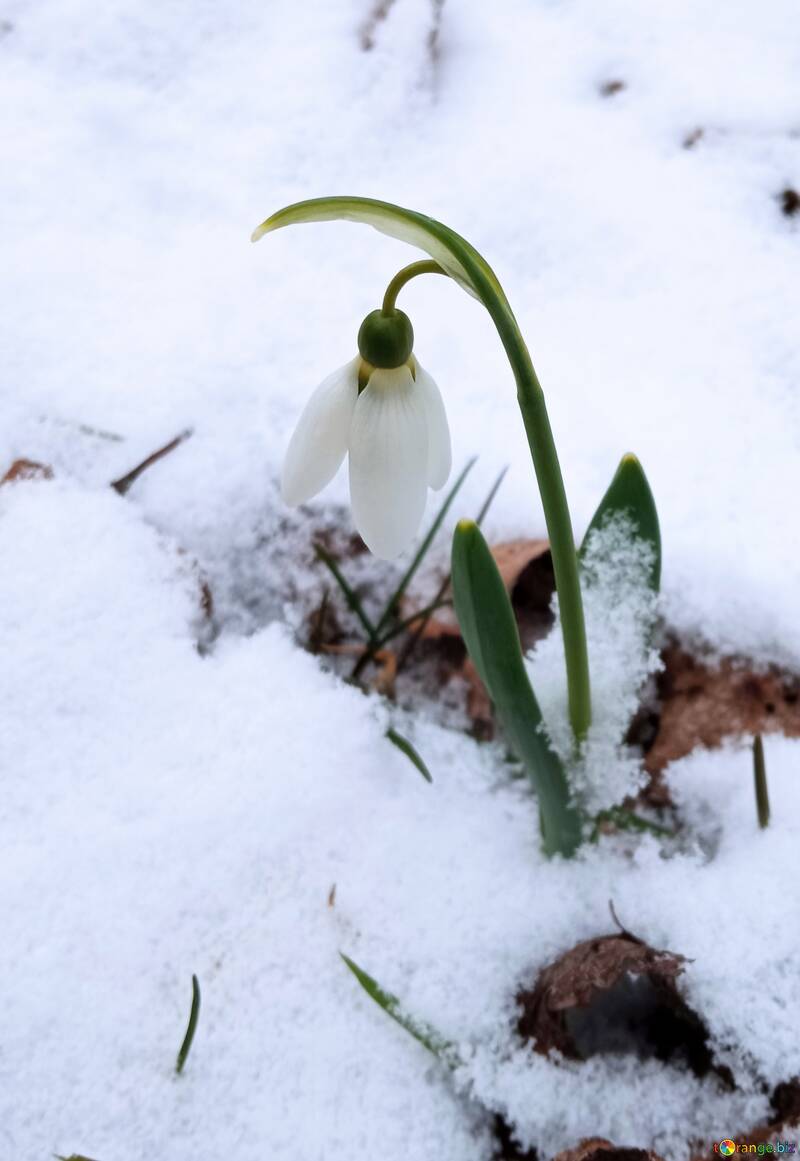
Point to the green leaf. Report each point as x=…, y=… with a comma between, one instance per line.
x=349, y=593
x=487, y=503
x=406, y=748
x=490, y=633
x=453, y=253
x=194, y=1014
x=394, y=601
x=72, y=1157
x=630, y=492
x=425, y=1035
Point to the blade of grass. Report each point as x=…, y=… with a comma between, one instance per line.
x=191, y=1028
x=426, y=614
x=406, y=748
x=487, y=503
x=425, y=1035
x=349, y=594
x=760, y=777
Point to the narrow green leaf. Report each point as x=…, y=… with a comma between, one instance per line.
x=492, y=639
x=487, y=503
x=422, y=615
x=428, y=1037
x=394, y=600
x=191, y=1028
x=72, y=1157
x=406, y=748
x=760, y=778
x=349, y=594
x=630, y=492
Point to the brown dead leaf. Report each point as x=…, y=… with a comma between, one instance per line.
x=616, y=994
x=479, y=704
x=27, y=470
x=599, y=1149
x=586, y=971
x=701, y=706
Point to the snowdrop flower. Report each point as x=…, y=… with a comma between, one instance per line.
x=386, y=411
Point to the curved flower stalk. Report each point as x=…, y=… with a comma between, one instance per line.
x=463, y=263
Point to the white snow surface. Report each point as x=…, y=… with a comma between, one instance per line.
x=168, y=810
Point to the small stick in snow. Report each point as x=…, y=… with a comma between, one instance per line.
x=126, y=482
x=190, y=1031
x=760, y=778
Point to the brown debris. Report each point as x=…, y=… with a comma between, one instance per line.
x=479, y=704
x=616, y=994
x=790, y=202
x=702, y=705
x=786, y=1103
x=378, y=14
x=27, y=470
x=611, y=88
x=506, y=1147
x=386, y=660
x=526, y=567
x=599, y=1149
x=126, y=482
x=574, y=980
x=692, y=139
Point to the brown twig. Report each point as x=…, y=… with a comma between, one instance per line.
x=126, y=482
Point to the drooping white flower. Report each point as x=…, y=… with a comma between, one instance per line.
x=395, y=430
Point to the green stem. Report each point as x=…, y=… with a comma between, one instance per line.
x=426, y=266
x=551, y=488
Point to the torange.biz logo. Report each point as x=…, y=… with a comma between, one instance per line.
x=727, y=1147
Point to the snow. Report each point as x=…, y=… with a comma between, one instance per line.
x=180, y=797
x=620, y=611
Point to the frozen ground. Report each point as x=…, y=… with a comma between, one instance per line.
x=165, y=813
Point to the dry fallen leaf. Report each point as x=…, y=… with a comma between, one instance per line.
x=599, y=1149
x=616, y=994
x=27, y=470
x=701, y=705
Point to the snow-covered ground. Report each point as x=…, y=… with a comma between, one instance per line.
x=163, y=812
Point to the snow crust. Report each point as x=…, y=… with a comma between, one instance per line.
x=167, y=809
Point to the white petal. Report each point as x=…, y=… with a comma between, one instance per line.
x=319, y=442
x=389, y=461
x=440, y=456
